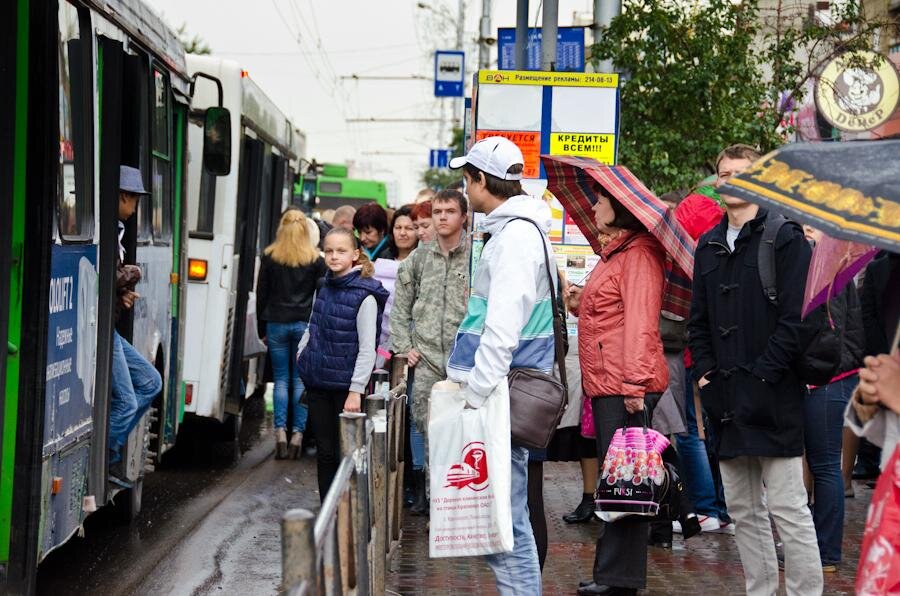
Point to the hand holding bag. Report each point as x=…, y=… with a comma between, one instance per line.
x=470, y=474
x=633, y=479
x=537, y=400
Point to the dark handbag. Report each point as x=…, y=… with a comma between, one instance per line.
x=673, y=333
x=537, y=400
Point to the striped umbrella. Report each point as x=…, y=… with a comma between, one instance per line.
x=572, y=180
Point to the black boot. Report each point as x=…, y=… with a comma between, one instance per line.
x=583, y=513
x=420, y=506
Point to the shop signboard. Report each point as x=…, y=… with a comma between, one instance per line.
x=857, y=92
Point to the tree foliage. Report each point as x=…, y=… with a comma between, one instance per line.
x=440, y=178
x=699, y=76
x=192, y=45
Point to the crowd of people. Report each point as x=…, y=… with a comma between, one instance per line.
x=725, y=386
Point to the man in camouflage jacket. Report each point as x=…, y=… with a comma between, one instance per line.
x=430, y=300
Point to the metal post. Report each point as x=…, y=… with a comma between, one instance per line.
x=353, y=445
x=549, y=30
x=377, y=411
x=521, y=35
x=604, y=12
x=460, y=28
x=484, y=44
x=298, y=549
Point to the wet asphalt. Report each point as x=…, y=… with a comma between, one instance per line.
x=206, y=526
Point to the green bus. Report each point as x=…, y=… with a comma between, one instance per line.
x=326, y=186
x=88, y=86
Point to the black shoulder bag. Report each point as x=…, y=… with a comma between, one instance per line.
x=537, y=400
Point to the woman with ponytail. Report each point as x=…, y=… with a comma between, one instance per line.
x=289, y=270
x=337, y=352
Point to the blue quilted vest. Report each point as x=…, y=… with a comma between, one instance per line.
x=327, y=361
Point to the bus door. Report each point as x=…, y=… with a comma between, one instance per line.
x=112, y=89
x=173, y=412
x=71, y=331
x=148, y=233
x=250, y=186
x=274, y=198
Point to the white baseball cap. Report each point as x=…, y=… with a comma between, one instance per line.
x=494, y=156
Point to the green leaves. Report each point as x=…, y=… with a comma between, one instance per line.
x=440, y=178
x=700, y=76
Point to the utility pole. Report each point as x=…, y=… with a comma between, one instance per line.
x=484, y=44
x=604, y=12
x=457, y=101
x=549, y=30
x=460, y=24
x=521, y=35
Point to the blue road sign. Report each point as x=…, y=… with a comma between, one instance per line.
x=569, y=49
x=449, y=73
x=439, y=158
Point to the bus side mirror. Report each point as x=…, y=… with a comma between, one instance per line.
x=217, y=141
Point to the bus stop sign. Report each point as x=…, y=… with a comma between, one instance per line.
x=439, y=158
x=449, y=73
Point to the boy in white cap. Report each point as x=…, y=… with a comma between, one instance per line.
x=135, y=382
x=510, y=291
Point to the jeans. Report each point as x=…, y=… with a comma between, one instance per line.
x=416, y=437
x=518, y=572
x=135, y=384
x=416, y=445
x=755, y=487
x=708, y=498
x=824, y=419
x=283, y=339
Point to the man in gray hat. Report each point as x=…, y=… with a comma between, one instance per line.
x=135, y=383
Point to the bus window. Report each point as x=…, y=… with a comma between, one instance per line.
x=331, y=188
x=76, y=204
x=162, y=160
x=206, y=209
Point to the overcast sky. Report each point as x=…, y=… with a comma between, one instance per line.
x=297, y=50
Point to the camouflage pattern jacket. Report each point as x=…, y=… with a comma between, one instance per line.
x=430, y=302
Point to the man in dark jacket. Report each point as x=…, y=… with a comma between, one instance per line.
x=744, y=348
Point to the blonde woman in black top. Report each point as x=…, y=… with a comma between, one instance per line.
x=289, y=271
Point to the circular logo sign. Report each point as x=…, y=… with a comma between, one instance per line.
x=857, y=92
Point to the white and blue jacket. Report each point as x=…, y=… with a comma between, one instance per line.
x=509, y=316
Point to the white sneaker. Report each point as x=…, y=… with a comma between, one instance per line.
x=724, y=528
x=707, y=524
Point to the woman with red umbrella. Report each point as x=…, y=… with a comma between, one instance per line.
x=623, y=367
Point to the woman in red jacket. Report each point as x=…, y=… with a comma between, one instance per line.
x=622, y=365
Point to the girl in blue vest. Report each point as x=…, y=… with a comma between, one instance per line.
x=337, y=352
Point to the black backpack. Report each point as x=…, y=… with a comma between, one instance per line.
x=821, y=358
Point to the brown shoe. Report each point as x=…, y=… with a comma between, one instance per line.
x=280, y=443
x=293, y=450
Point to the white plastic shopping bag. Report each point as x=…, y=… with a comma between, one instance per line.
x=469, y=459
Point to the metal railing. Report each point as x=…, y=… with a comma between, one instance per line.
x=348, y=547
